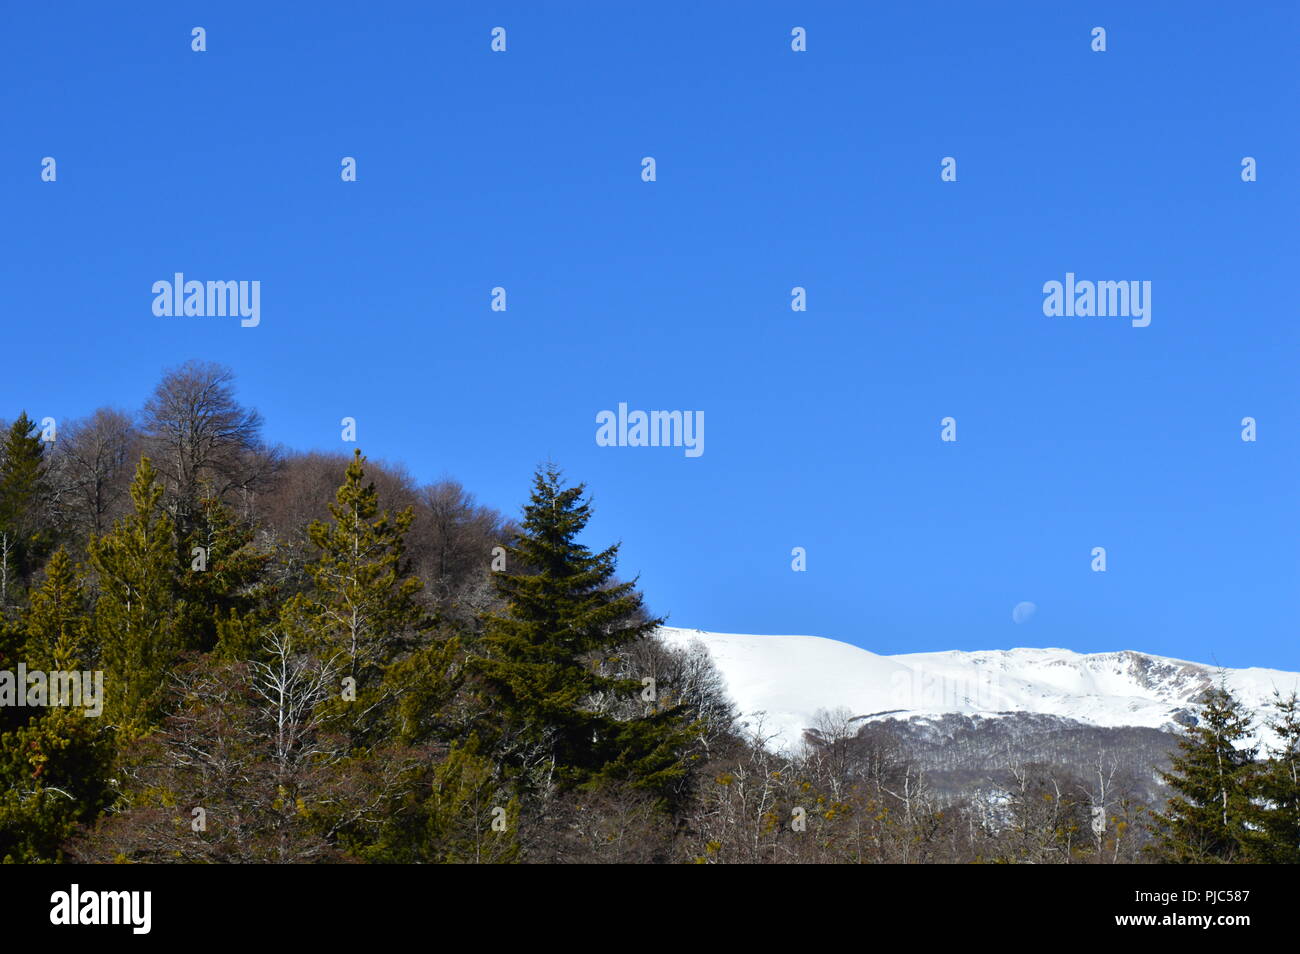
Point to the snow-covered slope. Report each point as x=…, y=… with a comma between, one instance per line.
x=789, y=678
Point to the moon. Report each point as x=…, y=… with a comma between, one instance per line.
x=1023, y=612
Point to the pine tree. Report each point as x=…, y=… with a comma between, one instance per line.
x=54, y=769
x=1207, y=819
x=361, y=613
x=545, y=662
x=461, y=813
x=137, y=612
x=1279, y=787
x=13, y=640
x=471, y=819
x=25, y=535
x=53, y=777
x=56, y=622
x=223, y=589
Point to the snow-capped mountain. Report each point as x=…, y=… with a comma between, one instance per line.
x=790, y=678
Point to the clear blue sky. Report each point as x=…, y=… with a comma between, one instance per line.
x=775, y=169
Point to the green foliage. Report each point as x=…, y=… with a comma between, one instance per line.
x=362, y=606
x=425, y=685
x=53, y=769
x=13, y=640
x=137, y=613
x=361, y=613
x=221, y=584
x=543, y=661
x=1207, y=820
x=25, y=534
x=462, y=813
x=57, y=621
x=1278, y=788
x=54, y=776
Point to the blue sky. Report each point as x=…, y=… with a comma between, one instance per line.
x=775, y=169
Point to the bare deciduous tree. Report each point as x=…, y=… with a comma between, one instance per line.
x=90, y=469
x=202, y=440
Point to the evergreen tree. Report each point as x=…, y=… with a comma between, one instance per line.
x=25, y=535
x=1279, y=787
x=53, y=775
x=54, y=769
x=56, y=623
x=53, y=624
x=546, y=661
x=13, y=640
x=361, y=613
x=472, y=820
x=461, y=813
x=136, y=615
x=223, y=590
x=1207, y=819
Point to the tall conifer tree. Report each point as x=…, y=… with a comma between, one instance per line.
x=1207, y=819
x=56, y=622
x=25, y=536
x=54, y=769
x=1279, y=787
x=222, y=581
x=361, y=613
x=137, y=612
x=544, y=661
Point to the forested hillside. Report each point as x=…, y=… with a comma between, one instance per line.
x=312, y=657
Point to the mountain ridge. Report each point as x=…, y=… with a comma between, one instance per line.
x=780, y=682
